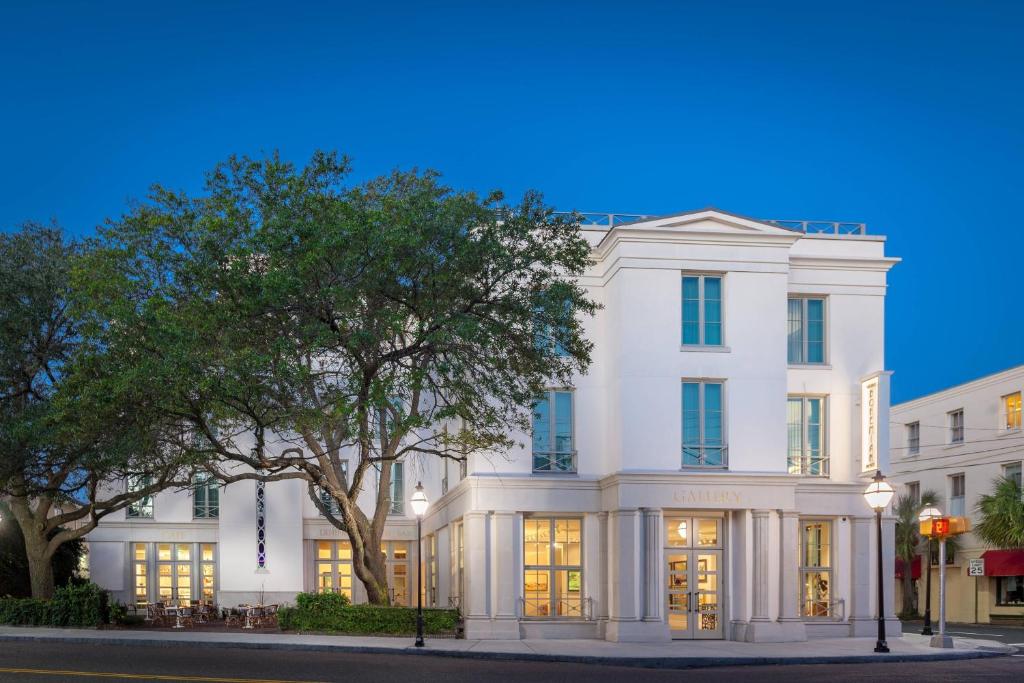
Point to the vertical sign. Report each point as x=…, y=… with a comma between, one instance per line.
x=869, y=424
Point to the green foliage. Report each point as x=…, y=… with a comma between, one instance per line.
x=72, y=605
x=14, y=576
x=1001, y=523
x=332, y=613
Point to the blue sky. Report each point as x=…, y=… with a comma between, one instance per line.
x=908, y=116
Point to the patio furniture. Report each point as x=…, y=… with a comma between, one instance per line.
x=182, y=616
x=233, y=617
x=155, y=614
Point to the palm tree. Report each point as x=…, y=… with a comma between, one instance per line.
x=1001, y=516
x=908, y=539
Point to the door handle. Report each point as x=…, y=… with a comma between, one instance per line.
x=689, y=602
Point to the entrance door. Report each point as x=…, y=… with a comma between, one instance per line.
x=693, y=575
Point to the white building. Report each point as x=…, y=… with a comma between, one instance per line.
x=957, y=443
x=703, y=480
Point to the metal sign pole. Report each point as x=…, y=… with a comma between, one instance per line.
x=942, y=640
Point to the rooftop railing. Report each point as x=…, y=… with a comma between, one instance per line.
x=610, y=220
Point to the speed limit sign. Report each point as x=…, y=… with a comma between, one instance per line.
x=976, y=567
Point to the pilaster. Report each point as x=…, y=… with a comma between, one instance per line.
x=626, y=571
x=653, y=584
x=790, y=621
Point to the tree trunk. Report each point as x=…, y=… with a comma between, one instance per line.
x=40, y=563
x=370, y=568
x=908, y=587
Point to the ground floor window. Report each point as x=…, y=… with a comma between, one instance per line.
x=457, y=560
x=185, y=572
x=1009, y=591
x=816, y=568
x=396, y=554
x=552, y=573
x=334, y=567
x=432, y=550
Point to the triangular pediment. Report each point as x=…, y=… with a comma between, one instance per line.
x=709, y=220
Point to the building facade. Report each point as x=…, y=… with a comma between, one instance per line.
x=957, y=443
x=703, y=480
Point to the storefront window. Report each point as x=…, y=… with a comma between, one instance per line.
x=334, y=567
x=457, y=560
x=816, y=568
x=552, y=576
x=396, y=554
x=141, y=573
x=1009, y=591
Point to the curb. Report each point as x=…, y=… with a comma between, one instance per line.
x=633, y=662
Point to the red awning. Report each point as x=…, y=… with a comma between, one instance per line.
x=915, y=568
x=1003, y=562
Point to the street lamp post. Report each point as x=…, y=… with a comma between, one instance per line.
x=878, y=494
x=929, y=514
x=419, y=508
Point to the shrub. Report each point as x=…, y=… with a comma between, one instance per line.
x=72, y=605
x=332, y=613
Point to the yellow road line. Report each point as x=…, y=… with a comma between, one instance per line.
x=145, y=677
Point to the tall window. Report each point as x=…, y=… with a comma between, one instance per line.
x=1012, y=412
x=396, y=555
x=1012, y=471
x=205, y=497
x=457, y=564
x=913, y=438
x=550, y=336
x=914, y=491
x=143, y=507
x=207, y=572
x=703, y=424
x=806, y=330
x=397, y=488
x=432, y=556
x=174, y=571
x=329, y=501
x=140, y=564
x=334, y=567
x=957, y=487
x=807, y=454
x=956, y=426
x=552, y=574
x=702, y=310
x=816, y=568
x=552, y=433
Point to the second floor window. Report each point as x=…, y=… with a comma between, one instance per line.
x=913, y=438
x=805, y=330
x=703, y=424
x=397, y=488
x=143, y=507
x=205, y=497
x=956, y=426
x=553, y=449
x=329, y=501
x=1012, y=471
x=806, y=423
x=914, y=491
x=1012, y=412
x=702, y=310
x=957, y=488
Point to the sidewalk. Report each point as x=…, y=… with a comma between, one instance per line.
x=673, y=655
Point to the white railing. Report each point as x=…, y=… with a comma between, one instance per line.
x=595, y=219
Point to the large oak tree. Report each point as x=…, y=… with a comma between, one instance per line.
x=296, y=323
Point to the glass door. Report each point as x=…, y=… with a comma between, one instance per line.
x=693, y=577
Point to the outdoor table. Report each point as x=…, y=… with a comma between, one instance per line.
x=250, y=612
x=177, y=616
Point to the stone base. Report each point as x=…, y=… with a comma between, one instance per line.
x=775, y=632
x=636, y=631
x=868, y=628
x=941, y=641
x=492, y=629
x=233, y=598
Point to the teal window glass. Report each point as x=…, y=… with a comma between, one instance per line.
x=806, y=434
x=805, y=330
x=205, y=497
x=702, y=310
x=703, y=419
x=553, y=449
x=397, y=488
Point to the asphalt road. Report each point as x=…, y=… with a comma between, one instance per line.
x=1009, y=635
x=25, y=662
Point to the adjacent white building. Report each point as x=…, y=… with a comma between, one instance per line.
x=703, y=480
x=956, y=443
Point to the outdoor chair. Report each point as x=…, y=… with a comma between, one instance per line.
x=233, y=617
x=155, y=614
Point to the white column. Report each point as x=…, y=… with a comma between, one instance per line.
x=444, y=562
x=504, y=568
x=626, y=551
x=474, y=602
x=893, y=626
x=862, y=569
x=593, y=572
x=762, y=541
x=653, y=593
x=790, y=620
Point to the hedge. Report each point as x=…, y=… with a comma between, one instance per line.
x=71, y=605
x=332, y=613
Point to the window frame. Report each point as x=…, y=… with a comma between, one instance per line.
x=702, y=446
x=956, y=433
x=804, y=335
x=205, y=481
x=960, y=477
x=824, y=457
x=145, y=507
x=552, y=568
x=914, y=491
x=701, y=310
x=999, y=591
x=327, y=499
x=804, y=570
x=1020, y=471
x=553, y=454
x=397, y=506
x=1011, y=421
x=913, y=433
x=336, y=559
